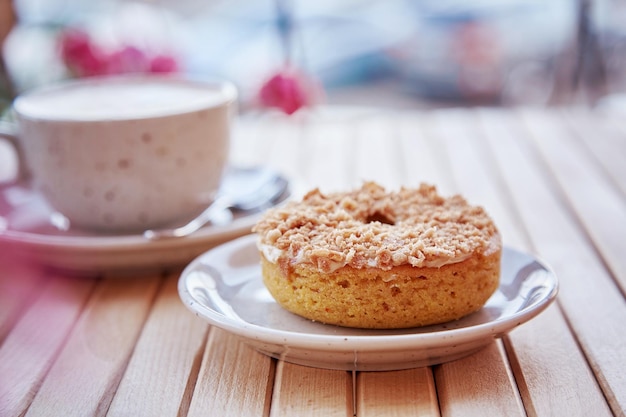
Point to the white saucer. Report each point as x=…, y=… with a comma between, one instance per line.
x=26, y=231
x=224, y=286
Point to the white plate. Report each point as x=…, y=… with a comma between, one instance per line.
x=26, y=231
x=224, y=286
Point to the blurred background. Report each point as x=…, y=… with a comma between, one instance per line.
x=393, y=53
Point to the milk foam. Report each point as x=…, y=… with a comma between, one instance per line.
x=120, y=99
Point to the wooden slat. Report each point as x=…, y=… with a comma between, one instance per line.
x=19, y=285
x=284, y=142
x=594, y=307
x=551, y=374
x=337, y=149
x=161, y=374
x=378, y=152
x=477, y=385
x=600, y=207
x=325, y=156
x=603, y=140
x=234, y=380
x=424, y=158
x=616, y=123
x=616, y=117
x=478, y=178
x=34, y=342
x=396, y=393
x=86, y=374
x=307, y=392
x=547, y=371
x=473, y=174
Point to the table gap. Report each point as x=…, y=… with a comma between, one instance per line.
x=192, y=379
x=518, y=376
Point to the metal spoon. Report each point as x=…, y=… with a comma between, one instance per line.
x=244, y=190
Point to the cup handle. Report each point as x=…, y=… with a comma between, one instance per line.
x=8, y=131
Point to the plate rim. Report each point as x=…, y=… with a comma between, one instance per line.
x=92, y=254
x=121, y=241
x=364, y=343
x=130, y=241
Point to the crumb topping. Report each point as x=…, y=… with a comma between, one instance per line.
x=371, y=227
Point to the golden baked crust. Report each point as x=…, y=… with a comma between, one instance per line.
x=378, y=259
x=402, y=297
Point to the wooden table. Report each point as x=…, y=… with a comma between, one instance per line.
x=555, y=182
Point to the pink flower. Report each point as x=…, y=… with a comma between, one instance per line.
x=85, y=58
x=288, y=90
x=163, y=64
x=127, y=59
x=80, y=55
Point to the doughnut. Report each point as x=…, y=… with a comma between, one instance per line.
x=377, y=259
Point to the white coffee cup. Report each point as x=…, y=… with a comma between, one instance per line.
x=126, y=153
